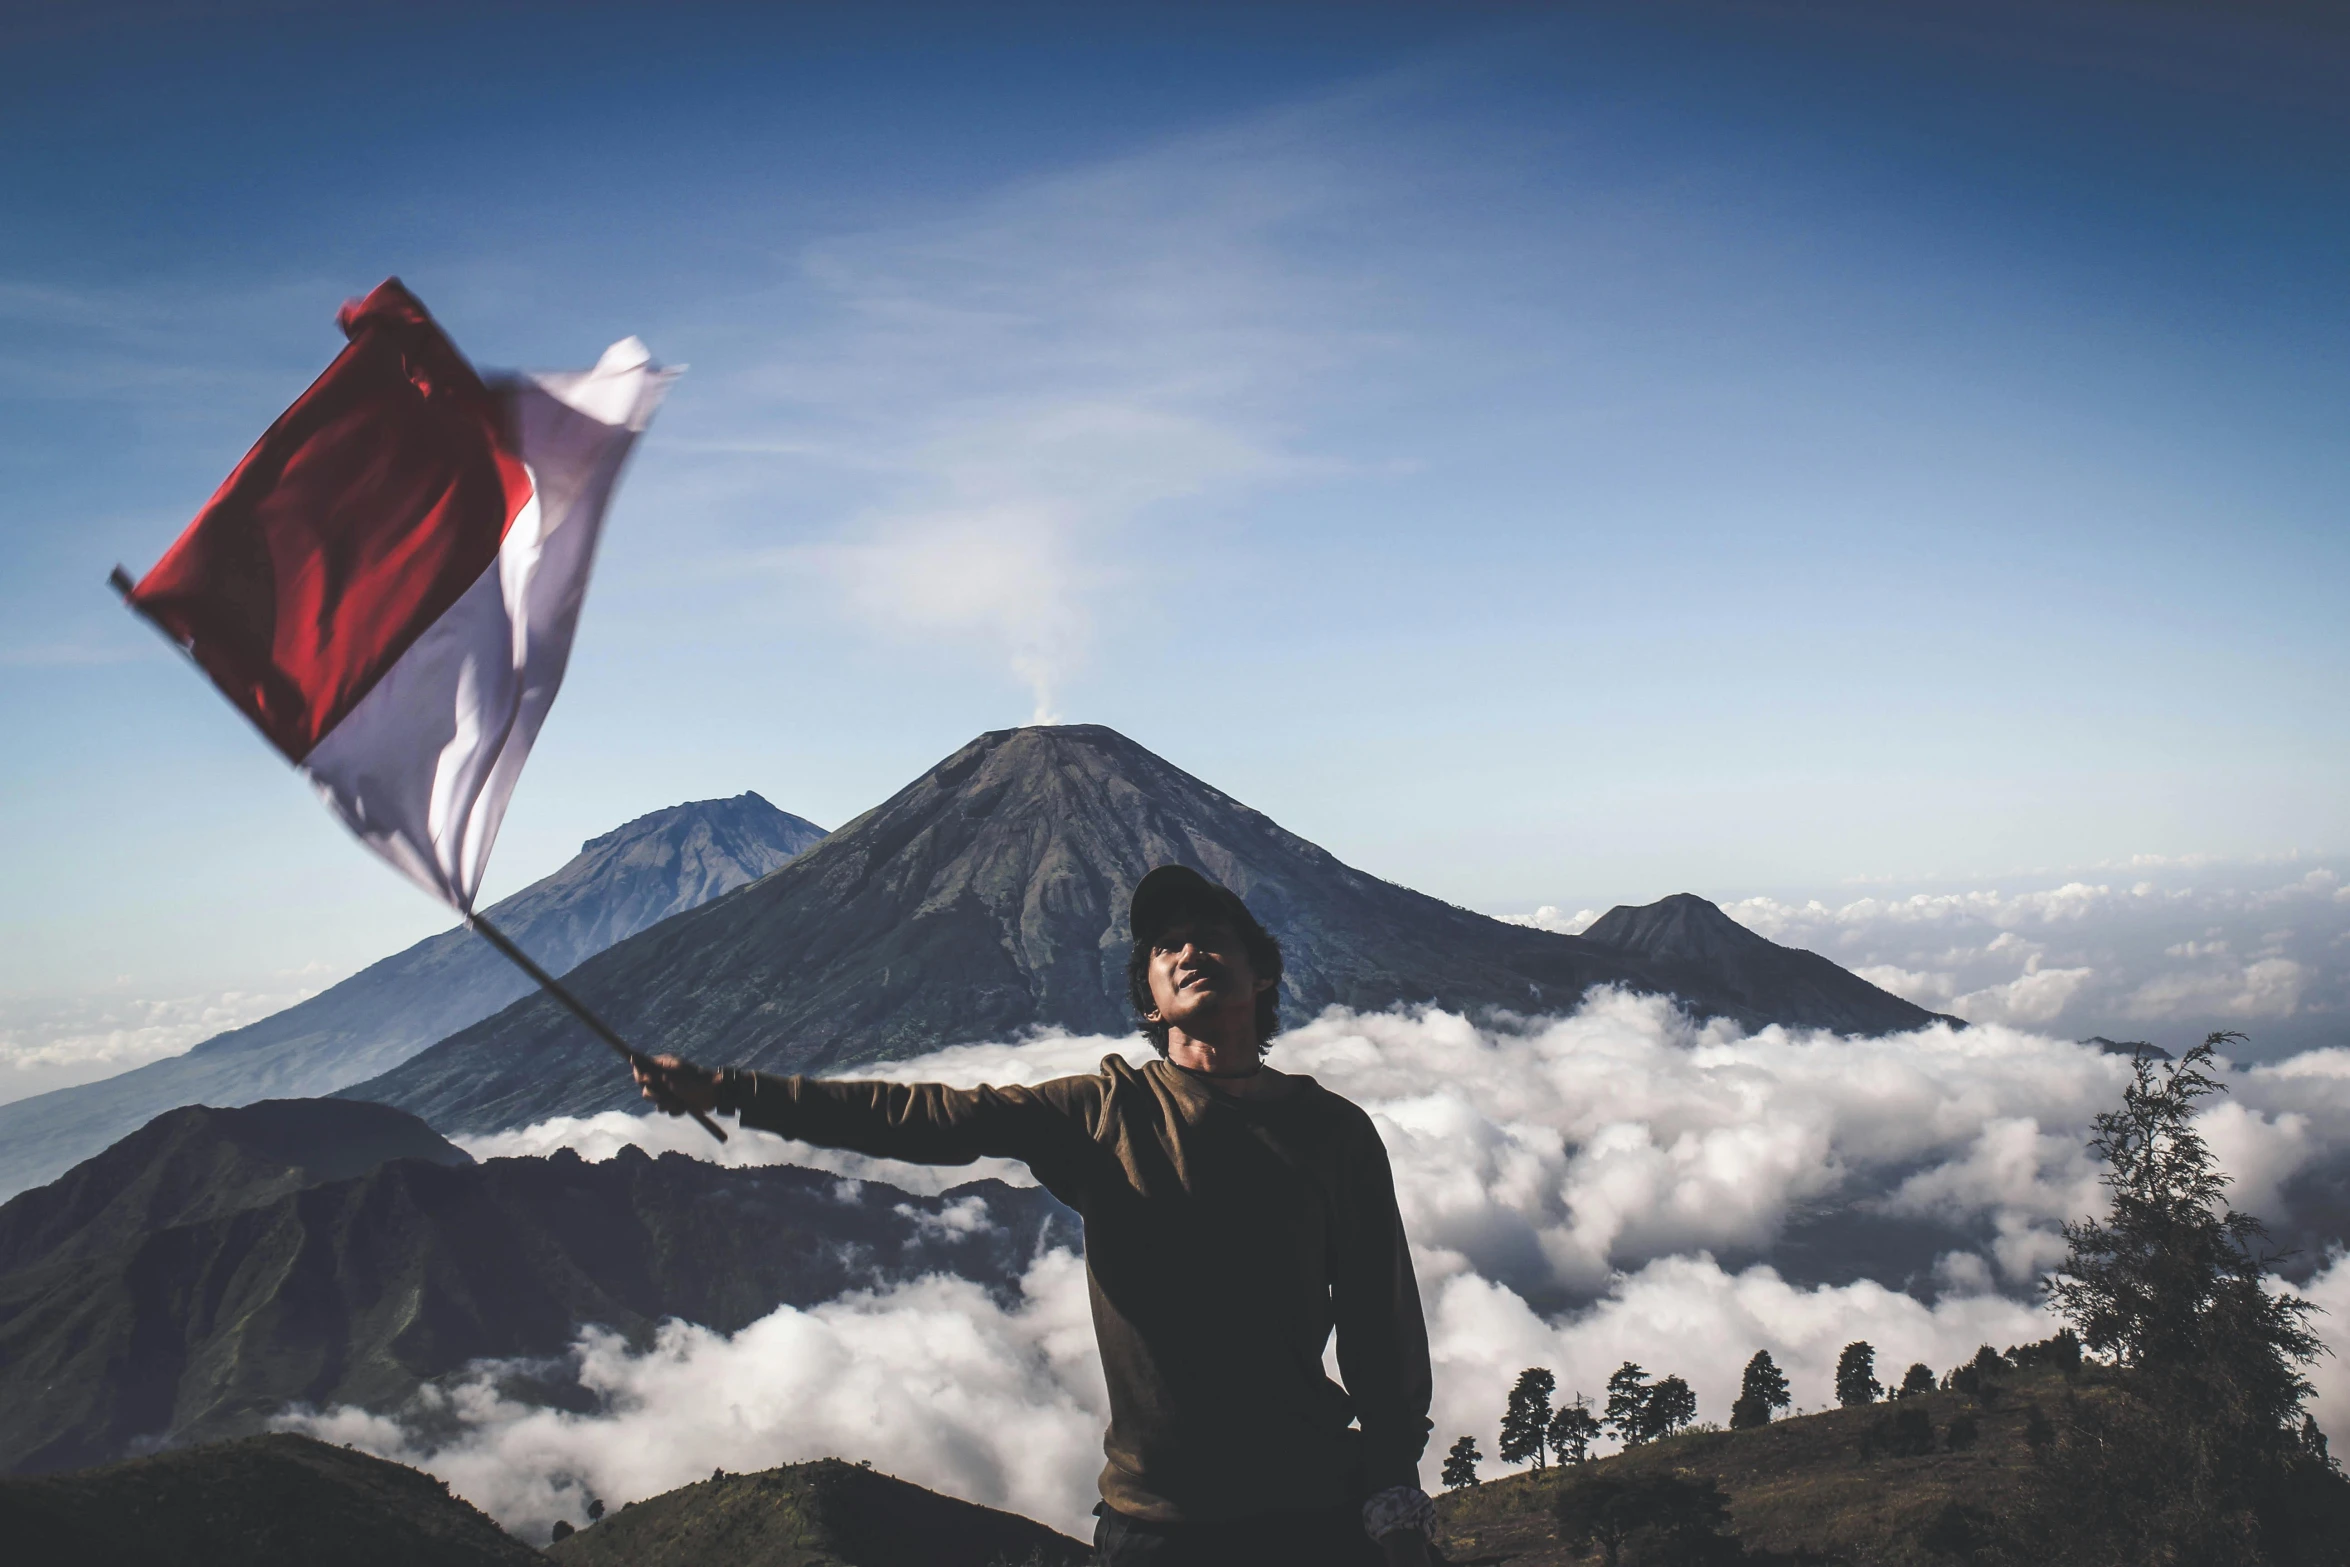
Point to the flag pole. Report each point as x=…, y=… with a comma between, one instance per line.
x=578, y=1008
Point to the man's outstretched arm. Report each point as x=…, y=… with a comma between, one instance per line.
x=921, y=1123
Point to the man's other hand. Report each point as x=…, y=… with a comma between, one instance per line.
x=676, y=1086
x=1407, y=1548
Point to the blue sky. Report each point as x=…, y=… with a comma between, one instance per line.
x=1547, y=455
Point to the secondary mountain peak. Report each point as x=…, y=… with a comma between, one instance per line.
x=1694, y=946
x=642, y=872
x=988, y=898
x=1682, y=927
x=634, y=876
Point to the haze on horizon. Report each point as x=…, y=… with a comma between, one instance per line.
x=1550, y=458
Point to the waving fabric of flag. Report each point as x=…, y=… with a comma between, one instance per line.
x=388, y=583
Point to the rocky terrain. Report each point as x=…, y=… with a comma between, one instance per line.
x=619, y=884
x=988, y=897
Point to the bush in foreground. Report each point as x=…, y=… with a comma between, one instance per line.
x=1653, y=1520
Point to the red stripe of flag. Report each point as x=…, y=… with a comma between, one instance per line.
x=351, y=526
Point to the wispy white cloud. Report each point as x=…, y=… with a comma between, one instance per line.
x=48, y=1043
x=2330, y=1290
x=1551, y=917
x=1032, y=396
x=154, y=346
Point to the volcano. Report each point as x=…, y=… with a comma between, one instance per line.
x=988, y=898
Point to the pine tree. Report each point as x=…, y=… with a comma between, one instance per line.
x=1525, y=1424
x=2172, y=1276
x=2060, y=1351
x=1460, y=1464
x=1572, y=1431
x=1671, y=1405
x=1627, y=1404
x=1979, y=1378
x=1856, y=1376
x=1919, y=1378
x=2197, y=1454
x=1763, y=1389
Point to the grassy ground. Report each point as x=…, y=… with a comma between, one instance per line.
x=824, y=1514
x=1823, y=1483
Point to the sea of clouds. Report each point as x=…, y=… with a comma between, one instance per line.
x=50, y=1042
x=1580, y=1190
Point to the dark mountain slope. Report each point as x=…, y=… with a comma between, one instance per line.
x=268, y=1501
x=619, y=884
x=988, y=897
x=195, y=1163
x=359, y=1290
x=824, y=1514
x=1697, y=949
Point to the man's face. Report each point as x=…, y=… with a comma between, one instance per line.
x=1201, y=979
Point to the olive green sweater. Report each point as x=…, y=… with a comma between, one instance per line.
x=1224, y=1239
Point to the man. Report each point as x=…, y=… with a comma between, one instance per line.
x=1234, y=1216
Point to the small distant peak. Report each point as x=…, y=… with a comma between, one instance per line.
x=1673, y=908
x=2135, y=1049
x=1679, y=926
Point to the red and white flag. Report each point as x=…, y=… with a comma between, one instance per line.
x=388, y=584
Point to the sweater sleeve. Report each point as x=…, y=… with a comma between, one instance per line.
x=1382, y=1339
x=922, y=1123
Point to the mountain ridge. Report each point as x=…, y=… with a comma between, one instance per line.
x=198, y=1162
x=619, y=883
x=201, y=1320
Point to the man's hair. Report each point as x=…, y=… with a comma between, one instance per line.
x=1264, y=956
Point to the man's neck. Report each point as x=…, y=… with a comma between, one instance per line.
x=1234, y=1069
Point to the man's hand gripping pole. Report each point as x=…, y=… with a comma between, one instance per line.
x=578, y=1009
